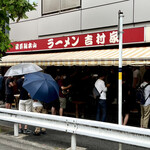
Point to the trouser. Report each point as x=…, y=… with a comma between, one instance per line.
x=25, y=105
x=145, y=115
x=101, y=108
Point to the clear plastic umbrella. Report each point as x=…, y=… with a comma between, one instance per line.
x=22, y=68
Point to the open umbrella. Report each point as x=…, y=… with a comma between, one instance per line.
x=41, y=86
x=22, y=68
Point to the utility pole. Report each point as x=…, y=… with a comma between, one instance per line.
x=120, y=33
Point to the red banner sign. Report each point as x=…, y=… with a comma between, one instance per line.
x=133, y=35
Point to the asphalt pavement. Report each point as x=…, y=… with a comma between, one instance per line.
x=7, y=147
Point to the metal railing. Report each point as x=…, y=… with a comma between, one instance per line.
x=107, y=131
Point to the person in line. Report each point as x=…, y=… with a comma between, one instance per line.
x=63, y=91
x=126, y=98
x=100, y=85
x=1, y=88
x=145, y=109
x=25, y=103
x=135, y=85
x=9, y=92
x=55, y=106
x=38, y=108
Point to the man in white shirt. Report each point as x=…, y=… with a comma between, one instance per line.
x=100, y=85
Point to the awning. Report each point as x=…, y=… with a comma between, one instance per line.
x=104, y=57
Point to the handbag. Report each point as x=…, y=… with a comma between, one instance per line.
x=96, y=94
x=65, y=92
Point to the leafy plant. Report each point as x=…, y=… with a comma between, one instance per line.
x=15, y=10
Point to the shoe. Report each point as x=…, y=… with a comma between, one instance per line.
x=26, y=131
x=115, y=101
x=36, y=134
x=20, y=131
x=43, y=132
x=1, y=102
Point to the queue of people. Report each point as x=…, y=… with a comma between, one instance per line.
x=78, y=85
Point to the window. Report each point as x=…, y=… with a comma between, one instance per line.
x=52, y=6
x=31, y=1
x=69, y=4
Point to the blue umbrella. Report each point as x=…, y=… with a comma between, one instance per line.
x=41, y=86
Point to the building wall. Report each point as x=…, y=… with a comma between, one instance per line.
x=61, y=23
x=106, y=15
x=23, y=31
x=93, y=16
x=141, y=11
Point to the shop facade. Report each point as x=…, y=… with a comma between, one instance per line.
x=81, y=33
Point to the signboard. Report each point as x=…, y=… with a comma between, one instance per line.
x=133, y=35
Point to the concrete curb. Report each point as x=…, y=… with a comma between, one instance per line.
x=78, y=148
x=18, y=142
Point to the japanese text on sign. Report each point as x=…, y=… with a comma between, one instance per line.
x=131, y=35
x=89, y=40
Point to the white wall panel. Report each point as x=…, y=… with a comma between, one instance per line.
x=142, y=10
x=24, y=31
x=107, y=15
x=31, y=15
x=65, y=22
x=92, y=3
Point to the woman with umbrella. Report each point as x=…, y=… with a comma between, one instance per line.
x=16, y=70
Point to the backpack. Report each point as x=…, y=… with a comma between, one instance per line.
x=140, y=96
x=96, y=93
